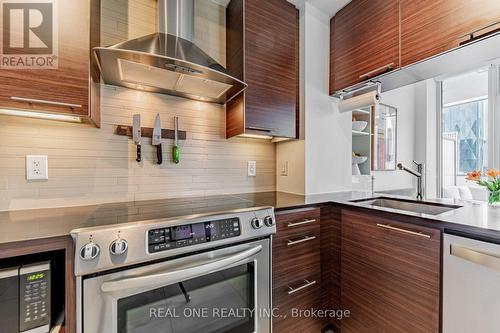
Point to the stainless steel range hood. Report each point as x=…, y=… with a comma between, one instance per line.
x=168, y=62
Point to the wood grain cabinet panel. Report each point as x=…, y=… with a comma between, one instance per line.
x=366, y=41
x=390, y=275
x=330, y=259
x=69, y=82
x=270, y=67
x=430, y=27
x=297, y=270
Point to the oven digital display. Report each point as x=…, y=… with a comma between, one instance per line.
x=181, y=232
x=188, y=231
x=191, y=234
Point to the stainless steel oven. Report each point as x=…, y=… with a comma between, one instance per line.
x=205, y=273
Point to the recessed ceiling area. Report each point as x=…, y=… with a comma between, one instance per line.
x=330, y=7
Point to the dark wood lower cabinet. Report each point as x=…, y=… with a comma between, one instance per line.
x=330, y=260
x=297, y=271
x=390, y=275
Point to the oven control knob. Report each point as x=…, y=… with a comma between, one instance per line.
x=118, y=247
x=269, y=221
x=89, y=251
x=257, y=223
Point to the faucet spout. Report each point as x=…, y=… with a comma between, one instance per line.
x=418, y=174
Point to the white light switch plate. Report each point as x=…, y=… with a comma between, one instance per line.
x=252, y=169
x=284, y=168
x=37, y=167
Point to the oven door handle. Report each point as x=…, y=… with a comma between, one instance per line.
x=170, y=277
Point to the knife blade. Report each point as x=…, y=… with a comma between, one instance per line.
x=136, y=134
x=157, y=139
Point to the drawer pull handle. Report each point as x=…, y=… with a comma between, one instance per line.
x=473, y=32
x=381, y=69
x=307, y=284
x=42, y=101
x=302, y=240
x=415, y=233
x=294, y=224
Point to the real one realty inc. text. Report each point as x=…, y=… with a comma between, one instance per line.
x=230, y=312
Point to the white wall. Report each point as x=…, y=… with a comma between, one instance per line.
x=324, y=152
x=467, y=86
x=426, y=132
x=327, y=132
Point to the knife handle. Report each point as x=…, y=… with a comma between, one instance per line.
x=176, y=154
x=159, y=154
x=139, y=158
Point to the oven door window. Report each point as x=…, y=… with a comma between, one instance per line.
x=220, y=302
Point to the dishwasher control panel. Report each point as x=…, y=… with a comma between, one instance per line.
x=162, y=239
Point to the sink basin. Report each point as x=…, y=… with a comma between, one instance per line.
x=420, y=207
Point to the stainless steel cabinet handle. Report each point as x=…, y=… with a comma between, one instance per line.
x=489, y=260
x=302, y=240
x=471, y=34
x=294, y=224
x=42, y=101
x=305, y=285
x=377, y=70
x=415, y=233
x=262, y=129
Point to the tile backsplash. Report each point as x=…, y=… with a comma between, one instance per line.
x=89, y=165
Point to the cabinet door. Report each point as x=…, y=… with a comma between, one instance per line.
x=390, y=275
x=271, y=67
x=65, y=88
x=430, y=27
x=366, y=41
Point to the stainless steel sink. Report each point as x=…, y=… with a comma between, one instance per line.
x=420, y=207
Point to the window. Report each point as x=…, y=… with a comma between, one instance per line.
x=464, y=126
x=466, y=123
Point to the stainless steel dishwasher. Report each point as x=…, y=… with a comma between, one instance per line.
x=471, y=285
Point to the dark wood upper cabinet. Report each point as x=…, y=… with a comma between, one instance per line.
x=366, y=41
x=390, y=275
x=371, y=37
x=430, y=27
x=262, y=49
x=65, y=88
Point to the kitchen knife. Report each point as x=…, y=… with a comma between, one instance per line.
x=157, y=139
x=175, y=149
x=136, y=133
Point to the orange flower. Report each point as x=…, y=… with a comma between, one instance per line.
x=492, y=173
x=474, y=176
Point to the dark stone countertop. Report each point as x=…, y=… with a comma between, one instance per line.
x=473, y=218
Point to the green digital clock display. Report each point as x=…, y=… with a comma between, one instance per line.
x=36, y=276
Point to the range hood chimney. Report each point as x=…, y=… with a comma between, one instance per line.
x=168, y=61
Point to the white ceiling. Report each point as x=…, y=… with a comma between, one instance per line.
x=329, y=7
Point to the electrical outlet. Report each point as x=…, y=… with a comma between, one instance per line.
x=37, y=167
x=252, y=169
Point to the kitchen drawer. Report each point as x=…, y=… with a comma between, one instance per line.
x=297, y=222
x=306, y=295
x=295, y=262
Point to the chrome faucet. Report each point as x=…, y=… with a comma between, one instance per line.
x=419, y=174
